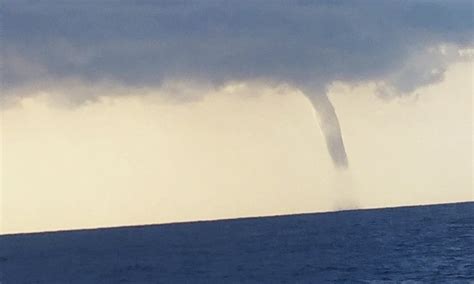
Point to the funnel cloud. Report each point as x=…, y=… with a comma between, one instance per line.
x=330, y=128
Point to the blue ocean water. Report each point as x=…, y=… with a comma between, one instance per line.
x=433, y=244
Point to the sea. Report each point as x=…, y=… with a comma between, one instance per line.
x=419, y=244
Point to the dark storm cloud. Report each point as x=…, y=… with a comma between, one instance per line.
x=305, y=43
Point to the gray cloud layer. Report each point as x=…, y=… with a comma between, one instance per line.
x=307, y=44
x=304, y=43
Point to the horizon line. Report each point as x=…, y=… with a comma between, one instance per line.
x=227, y=219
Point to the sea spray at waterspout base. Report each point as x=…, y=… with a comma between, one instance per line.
x=343, y=186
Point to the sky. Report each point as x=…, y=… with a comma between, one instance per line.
x=116, y=113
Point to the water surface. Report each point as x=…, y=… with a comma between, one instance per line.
x=423, y=243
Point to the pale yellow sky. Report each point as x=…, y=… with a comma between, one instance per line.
x=140, y=159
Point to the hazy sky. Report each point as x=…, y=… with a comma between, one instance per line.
x=116, y=113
